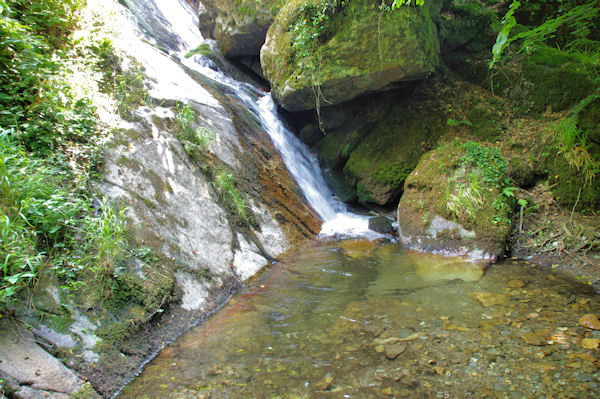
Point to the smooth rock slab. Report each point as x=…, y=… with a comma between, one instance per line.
x=22, y=359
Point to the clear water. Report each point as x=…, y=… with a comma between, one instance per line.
x=365, y=319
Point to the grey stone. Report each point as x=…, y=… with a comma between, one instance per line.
x=22, y=359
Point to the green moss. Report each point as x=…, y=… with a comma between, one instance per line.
x=85, y=392
x=485, y=122
x=59, y=323
x=392, y=174
x=112, y=333
x=567, y=182
x=344, y=48
x=363, y=194
x=383, y=160
x=480, y=206
x=335, y=148
x=131, y=289
x=559, y=79
x=547, y=79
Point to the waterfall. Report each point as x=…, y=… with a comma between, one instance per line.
x=301, y=163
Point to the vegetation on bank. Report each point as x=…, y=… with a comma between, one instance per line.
x=51, y=222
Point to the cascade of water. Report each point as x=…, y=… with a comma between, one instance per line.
x=300, y=162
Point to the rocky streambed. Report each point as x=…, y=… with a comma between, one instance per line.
x=364, y=319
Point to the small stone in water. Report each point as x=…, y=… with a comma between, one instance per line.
x=324, y=384
x=516, y=284
x=392, y=351
x=590, y=343
x=533, y=315
x=488, y=298
x=590, y=321
x=534, y=338
x=387, y=391
x=376, y=330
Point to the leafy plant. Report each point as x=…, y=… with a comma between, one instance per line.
x=463, y=200
x=225, y=184
x=194, y=137
x=452, y=122
x=573, y=143
x=579, y=21
x=492, y=164
x=105, y=238
x=44, y=223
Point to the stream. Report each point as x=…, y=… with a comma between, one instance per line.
x=353, y=315
x=364, y=319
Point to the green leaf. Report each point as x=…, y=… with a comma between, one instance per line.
x=12, y=279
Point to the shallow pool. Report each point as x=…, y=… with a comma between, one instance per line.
x=362, y=319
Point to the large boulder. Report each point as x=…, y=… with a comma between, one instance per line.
x=326, y=55
x=456, y=202
x=240, y=26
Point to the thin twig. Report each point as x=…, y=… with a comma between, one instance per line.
x=574, y=206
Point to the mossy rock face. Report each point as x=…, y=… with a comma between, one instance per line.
x=560, y=79
x=567, y=181
x=486, y=122
x=358, y=50
x=239, y=26
x=466, y=37
x=589, y=121
x=380, y=164
x=548, y=79
x=466, y=26
x=448, y=208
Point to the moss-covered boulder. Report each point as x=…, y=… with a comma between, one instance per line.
x=328, y=54
x=380, y=164
x=239, y=26
x=549, y=79
x=573, y=163
x=457, y=202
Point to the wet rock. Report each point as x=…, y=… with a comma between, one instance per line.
x=358, y=248
x=404, y=333
x=516, y=284
x=488, y=299
x=325, y=383
x=440, y=268
x=387, y=391
x=381, y=224
x=590, y=343
x=375, y=329
x=392, y=351
x=535, y=338
x=590, y=321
